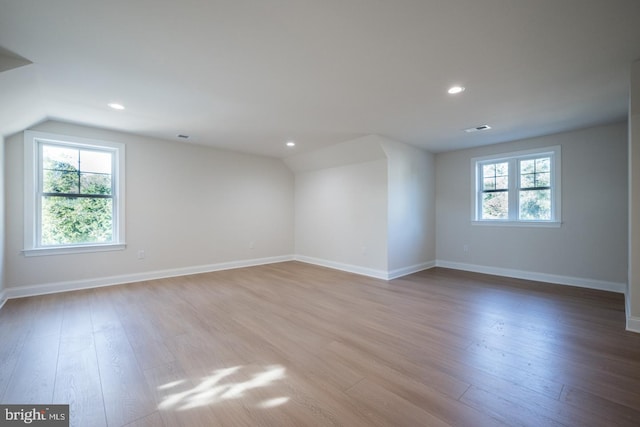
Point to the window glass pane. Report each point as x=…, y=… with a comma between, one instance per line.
x=495, y=176
x=95, y=161
x=535, y=172
x=95, y=183
x=489, y=184
x=495, y=205
x=70, y=220
x=527, y=180
x=502, y=169
x=502, y=182
x=60, y=181
x=543, y=179
x=489, y=170
x=527, y=166
x=535, y=205
x=59, y=158
x=543, y=164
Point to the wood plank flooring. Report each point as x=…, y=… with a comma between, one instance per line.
x=293, y=344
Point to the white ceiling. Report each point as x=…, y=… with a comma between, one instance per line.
x=251, y=74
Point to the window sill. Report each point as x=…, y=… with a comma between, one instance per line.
x=535, y=224
x=65, y=250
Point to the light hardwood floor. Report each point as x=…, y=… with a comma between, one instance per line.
x=293, y=344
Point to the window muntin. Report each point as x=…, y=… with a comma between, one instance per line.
x=522, y=187
x=74, y=194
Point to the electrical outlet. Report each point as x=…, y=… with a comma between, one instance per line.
x=252, y=244
x=466, y=248
x=141, y=254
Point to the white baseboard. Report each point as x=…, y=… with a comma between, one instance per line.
x=349, y=268
x=74, y=285
x=539, y=277
x=633, y=324
x=365, y=271
x=404, y=271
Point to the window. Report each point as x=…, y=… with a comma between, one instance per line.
x=520, y=188
x=74, y=194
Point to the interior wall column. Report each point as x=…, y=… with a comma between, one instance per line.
x=633, y=292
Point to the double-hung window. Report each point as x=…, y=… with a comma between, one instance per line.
x=521, y=188
x=74, y=194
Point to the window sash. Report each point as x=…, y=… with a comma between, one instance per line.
x=42, y=195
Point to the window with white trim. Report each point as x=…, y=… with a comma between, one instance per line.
x=521, y=188
x=74, y=194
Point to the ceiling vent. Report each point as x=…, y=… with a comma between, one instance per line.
x=478, y=128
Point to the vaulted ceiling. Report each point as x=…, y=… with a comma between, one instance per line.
x=250, y=75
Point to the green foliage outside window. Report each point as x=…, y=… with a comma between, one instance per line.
x=495, y=205
x=535, y=205
x=495, y=197
x=76, y=203
x=533, y=191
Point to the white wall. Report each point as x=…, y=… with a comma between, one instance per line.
x=190, y=206
x=186, y=206
x=2, y=215
x=367, y=206
x=341, y=217
x=411, y=207
x=341, y=206
x=633, y=293
x=589, y=249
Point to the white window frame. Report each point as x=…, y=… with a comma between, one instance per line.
x=513, y=159
x=32, y=199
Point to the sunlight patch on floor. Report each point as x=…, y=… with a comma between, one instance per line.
x=272, y=403
x=222, y=384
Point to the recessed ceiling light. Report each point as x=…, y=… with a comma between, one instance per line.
x=291, y=144
x=455, y=90
x=116, y=106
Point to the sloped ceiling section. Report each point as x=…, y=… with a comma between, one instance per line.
x=360, y=150
x=9, y=60
x=20, y=102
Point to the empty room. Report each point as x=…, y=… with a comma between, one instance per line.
x=319, y=213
